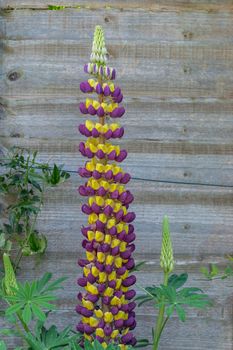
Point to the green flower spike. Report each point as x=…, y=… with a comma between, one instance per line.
x=166, y=257
x=9, y=279
x=99, y=51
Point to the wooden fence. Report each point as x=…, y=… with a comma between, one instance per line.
x=174, y=60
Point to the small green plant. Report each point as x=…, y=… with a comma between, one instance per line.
x=171, y=297
x=23, y=185
x=31, y=303
x=213, y=272
x=56, y=7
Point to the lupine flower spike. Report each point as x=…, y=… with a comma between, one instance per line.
x=9, y=279
x=106, y=305
x=166, y=257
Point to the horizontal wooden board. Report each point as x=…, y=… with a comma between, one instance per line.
x=149, y=26
x=175, y=126
x=190, y=168
x=203, y=232
x=150, y=5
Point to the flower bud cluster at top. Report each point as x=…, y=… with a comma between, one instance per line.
x=106, y=306
x=166, y=258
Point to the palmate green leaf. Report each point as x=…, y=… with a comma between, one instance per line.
x=174, y=297
x=30, y=299
x=53, y=339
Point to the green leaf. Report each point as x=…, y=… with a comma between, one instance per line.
x=32, y=299
x=143, y=299
x=170, y=310
x=138, y=266
x=2, y=240
x=55, y=177
x=27, y=314
x=37, y=243
x=88, y=345
x=13, y=308
x=40, y=315
x=180, y=312
x=9, y=331
x=177, y=281
x=2, y=345
x=142, y=343
x=97, y=345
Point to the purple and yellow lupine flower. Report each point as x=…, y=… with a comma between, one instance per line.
x=106, y=306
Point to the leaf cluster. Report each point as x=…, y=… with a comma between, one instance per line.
x=31, y=298
x=33, y=301
x=23, y=184
x=213, y=272
x=175, y=298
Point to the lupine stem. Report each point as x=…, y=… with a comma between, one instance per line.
x=160, y=321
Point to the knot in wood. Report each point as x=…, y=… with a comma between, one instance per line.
x=13, y=76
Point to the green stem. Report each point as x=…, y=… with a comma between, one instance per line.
x=161, y=330
x=160, y=324
x=25, y=327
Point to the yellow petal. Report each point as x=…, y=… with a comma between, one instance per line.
x=108, y=317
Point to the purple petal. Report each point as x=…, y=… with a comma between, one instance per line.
x=83, y=108
x=91, y=110
x=107, y=91
x=100, y=154
x=122, y=155
x=99, y=89
x=108, y=134
x=100, y=111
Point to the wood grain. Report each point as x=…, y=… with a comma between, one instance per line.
x=174, y=64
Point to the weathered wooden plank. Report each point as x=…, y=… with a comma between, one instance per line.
x=136, y=54
x=48, y=79
x=204, y=230
x=191, y=168
x=166, y=123
x=150, y=5
x=147, y=26
x=171, y=75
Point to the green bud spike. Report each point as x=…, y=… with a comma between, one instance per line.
x=166, y=257
x=9, y=279
x=99, y=51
